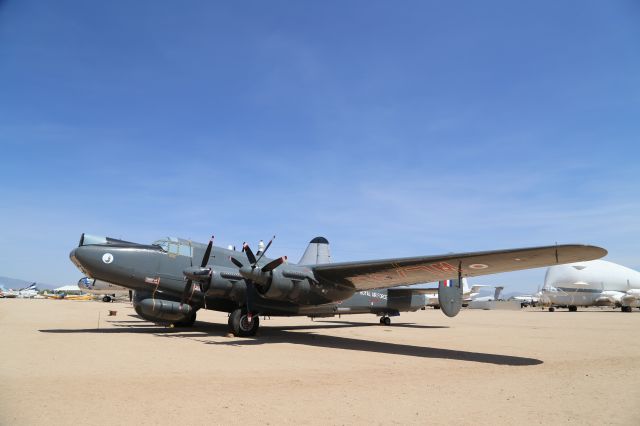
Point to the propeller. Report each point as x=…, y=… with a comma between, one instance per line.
x=251, y=275
x=205, y=283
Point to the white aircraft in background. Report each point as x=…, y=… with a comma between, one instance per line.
x=527, y=299
x=28, y=292
x=496, y=296
x=594, y=283
x=108, y=291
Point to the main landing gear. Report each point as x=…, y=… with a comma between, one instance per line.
x=626, y=308
x=384, y=320
x=241, y=326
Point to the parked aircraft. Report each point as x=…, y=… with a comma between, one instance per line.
x=28, y=292
x=108, y=291
x=173, y=278
x=595, y=283
x=527, y=299
x=496, y=296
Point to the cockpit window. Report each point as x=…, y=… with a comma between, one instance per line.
x=164, y=244
x=174, y=246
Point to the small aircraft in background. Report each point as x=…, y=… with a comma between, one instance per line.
x=173, y=278
x=28, y=292
x=594, y=283
x=108, y=291
x=65, y=296
x=527, y=299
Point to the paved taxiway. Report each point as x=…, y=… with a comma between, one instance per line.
x=482, y=367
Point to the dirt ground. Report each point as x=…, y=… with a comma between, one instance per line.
x=66, y=362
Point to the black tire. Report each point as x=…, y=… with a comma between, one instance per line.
x=573, y=308
x=240, y=326
x=626, y=309
x=187, y=322
x=552, y=309
x=381, y=320
x=106, y=299
x=386, y=321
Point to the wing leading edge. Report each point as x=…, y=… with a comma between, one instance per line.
x=373, y=274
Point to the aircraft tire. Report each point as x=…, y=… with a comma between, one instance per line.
x=106, y=298
x=552, y=309
x=573, y=308
x=240, y=326
x=626, y=309
x=386, y=320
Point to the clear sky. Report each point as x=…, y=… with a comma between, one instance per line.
x=391, y=128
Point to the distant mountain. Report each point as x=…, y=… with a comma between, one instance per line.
x=16, y=283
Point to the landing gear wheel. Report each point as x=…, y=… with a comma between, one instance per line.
x=386, y=320
x=187, y=322
x=106, y=299
x=240, y=326
x=552, y=309
x=626, y=309
x=573, y=308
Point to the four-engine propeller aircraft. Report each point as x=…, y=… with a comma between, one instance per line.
x=173, y=278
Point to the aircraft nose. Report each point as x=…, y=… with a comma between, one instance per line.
x=79, y=258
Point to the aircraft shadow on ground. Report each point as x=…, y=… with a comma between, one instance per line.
x=296, y=335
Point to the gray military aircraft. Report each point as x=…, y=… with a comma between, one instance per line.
x=173, y=278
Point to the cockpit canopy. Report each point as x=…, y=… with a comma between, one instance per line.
x=175, y=246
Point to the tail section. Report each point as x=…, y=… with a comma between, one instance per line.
x=496, y=295
x=317, y=252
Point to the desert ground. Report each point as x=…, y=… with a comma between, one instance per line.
x=68, y=362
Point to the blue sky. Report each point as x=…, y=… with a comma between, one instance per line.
x=393, y=129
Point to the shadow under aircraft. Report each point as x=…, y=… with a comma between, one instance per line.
x=173, y=278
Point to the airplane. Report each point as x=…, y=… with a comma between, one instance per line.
x=28, y=292
x=595, y=283
x=173, y=278
x=65, y=296
x=496, y=296
x=108, y=291
x=527, y=299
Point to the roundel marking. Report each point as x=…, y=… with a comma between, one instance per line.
x=478, y=266
x=107, y=258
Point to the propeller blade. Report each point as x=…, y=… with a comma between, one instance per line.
x=265, y=249
x=249, y=253
x=274, y=264
x=187, y=289
x=207, y=253
x=236, y=262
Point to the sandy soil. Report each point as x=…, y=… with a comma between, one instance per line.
x=482, y=367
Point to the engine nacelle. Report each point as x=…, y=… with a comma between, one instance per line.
x=227, y=284
x=162, y=311
x=287, y=286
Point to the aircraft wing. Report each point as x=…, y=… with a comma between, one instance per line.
x=372, y=274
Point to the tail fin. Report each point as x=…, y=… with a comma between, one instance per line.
x=317, y=252
x=496, y=295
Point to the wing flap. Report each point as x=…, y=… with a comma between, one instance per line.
x=413, y=270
